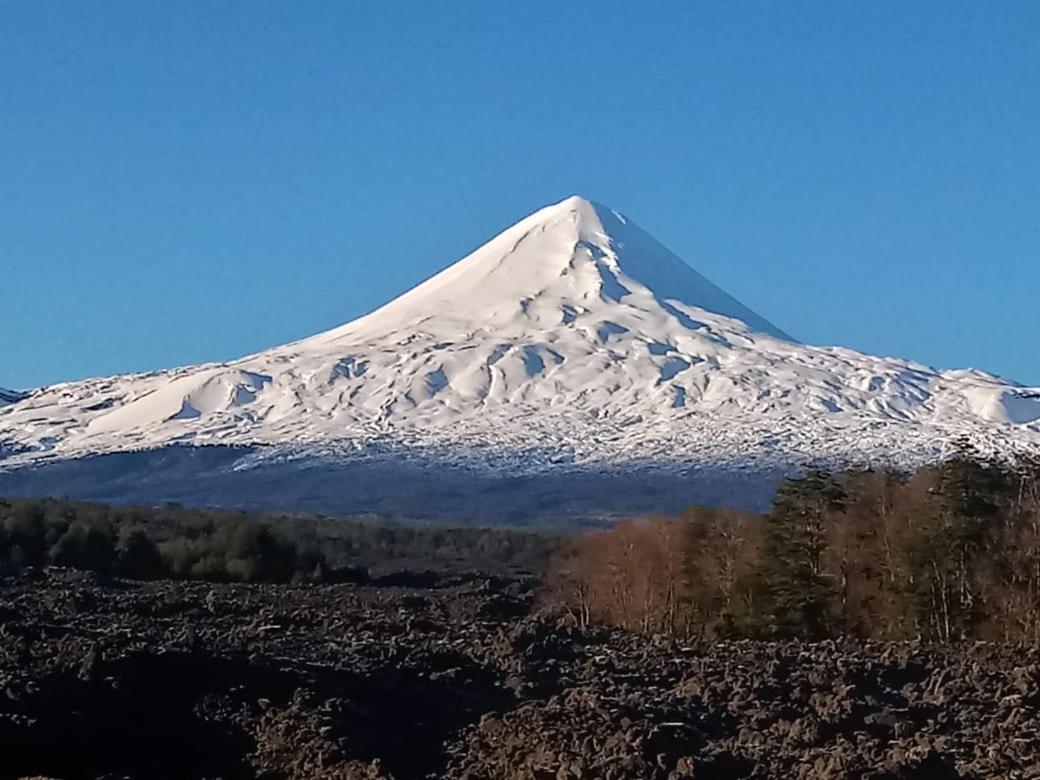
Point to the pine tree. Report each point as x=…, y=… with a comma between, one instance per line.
x=795, y=541
x=973, y=494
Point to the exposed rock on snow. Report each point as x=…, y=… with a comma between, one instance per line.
x=10, y=396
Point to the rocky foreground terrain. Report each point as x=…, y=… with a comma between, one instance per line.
x=460, y=677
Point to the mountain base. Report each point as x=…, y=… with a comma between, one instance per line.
x=386, y=487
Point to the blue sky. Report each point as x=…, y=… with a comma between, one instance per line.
x=192, y=181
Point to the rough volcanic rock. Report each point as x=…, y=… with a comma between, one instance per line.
x=118, y=679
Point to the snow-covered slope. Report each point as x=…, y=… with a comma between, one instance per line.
x=572, y=339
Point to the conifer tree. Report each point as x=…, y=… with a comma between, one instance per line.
x=795, y=541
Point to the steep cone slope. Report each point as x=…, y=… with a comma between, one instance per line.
x=570, y=258
x=573, y=337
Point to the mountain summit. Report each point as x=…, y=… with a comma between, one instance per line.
x=573, y=343
x=572, y=257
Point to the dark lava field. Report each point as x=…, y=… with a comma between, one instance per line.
x=465, y=677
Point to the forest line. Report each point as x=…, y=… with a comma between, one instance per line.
x=948, y=553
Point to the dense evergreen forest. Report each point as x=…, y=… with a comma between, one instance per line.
x=223, y=546
x=949, y=553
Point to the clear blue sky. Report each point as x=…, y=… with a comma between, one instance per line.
x=192, y=181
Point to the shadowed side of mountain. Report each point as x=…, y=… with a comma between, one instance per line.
x=10, y=396
x=389, y=488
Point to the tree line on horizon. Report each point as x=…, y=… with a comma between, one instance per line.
x=174, y=542
x=948, y=553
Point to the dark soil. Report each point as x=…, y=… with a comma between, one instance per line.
x=455, y=679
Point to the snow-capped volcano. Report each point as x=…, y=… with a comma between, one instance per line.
x=571, y=340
